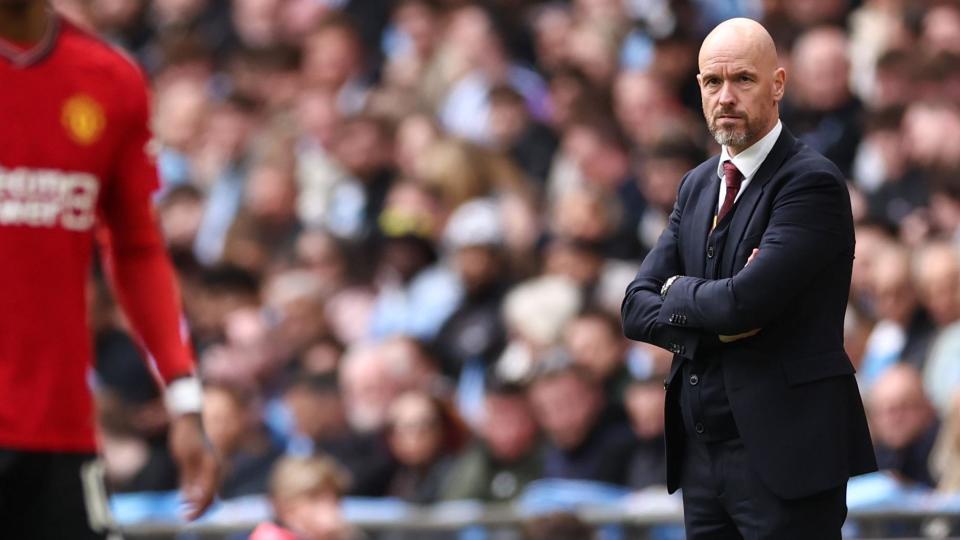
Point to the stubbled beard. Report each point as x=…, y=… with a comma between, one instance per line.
x=734, y=137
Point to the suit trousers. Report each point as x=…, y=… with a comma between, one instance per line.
x=724, y=499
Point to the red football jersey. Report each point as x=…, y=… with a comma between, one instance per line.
x=73, y=152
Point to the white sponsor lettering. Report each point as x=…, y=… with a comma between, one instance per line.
x=48, y=198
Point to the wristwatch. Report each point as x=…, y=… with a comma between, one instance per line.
x=666, y=286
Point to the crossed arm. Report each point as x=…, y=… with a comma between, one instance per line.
x=809, y=227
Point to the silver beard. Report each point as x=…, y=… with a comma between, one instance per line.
x=729, y=137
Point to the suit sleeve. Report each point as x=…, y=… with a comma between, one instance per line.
x=135, y=251
x=810, y=227
x=642, y=304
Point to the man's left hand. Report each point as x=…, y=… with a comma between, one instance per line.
x=198, y=464
x=738, y=337
x=755, y=331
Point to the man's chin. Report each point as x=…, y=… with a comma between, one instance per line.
x=729, y=138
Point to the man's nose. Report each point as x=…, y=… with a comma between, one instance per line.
x=727, y=95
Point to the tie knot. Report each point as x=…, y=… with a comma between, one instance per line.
x=731, y=175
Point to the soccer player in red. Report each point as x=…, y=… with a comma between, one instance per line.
x=73, y=155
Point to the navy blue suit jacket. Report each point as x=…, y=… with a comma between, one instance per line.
x=791, y=387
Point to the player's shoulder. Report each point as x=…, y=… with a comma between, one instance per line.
x=93, y=52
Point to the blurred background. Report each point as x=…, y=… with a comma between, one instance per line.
x=403, y=229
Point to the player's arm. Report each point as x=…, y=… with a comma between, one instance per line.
x=809, y=229
x=642, y=303
x=145, y=286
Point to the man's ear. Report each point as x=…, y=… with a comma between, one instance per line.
x=779, y=83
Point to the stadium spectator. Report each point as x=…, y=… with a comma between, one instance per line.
x=936, y=271
x=903, y=423
x=248, y=451
x=556, y=527
x=903, y=330
x=644, y=403
x=588, y=437
x=318, y=417
x=820, y=107
x=474, y=333
x=506, y=454
x=596, y=343
x=305, y=493
x=424, y=437
x=945, y=460
x=369, y=385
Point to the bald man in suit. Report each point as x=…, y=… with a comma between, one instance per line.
x=748, y=286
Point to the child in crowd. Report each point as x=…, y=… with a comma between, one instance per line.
x=305, y=492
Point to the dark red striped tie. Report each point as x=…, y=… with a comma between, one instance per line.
x=733, y=179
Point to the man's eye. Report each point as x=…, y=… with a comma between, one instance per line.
x=745, y=78
x=713, y=82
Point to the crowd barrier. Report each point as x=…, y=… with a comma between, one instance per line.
x=879, y=508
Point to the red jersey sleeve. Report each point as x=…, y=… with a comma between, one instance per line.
x=142, y=274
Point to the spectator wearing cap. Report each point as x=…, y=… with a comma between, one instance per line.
x=588, y=438
x=506, y=454
x=416, y=293
x=475, y=331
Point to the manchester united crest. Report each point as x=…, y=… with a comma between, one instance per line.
x=83, y=119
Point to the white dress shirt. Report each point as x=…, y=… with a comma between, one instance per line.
x=747, y=161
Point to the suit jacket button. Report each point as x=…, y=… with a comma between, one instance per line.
x=710, y=252
x=698, y=428
x=694, y=380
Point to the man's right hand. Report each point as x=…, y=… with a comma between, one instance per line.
x=197, y=462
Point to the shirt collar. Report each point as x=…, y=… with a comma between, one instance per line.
x=23, y=57
x=749, y=160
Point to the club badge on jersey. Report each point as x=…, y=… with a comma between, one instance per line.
x=83, y=118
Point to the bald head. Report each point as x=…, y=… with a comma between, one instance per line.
x=821, y=68
x=740, y=38
x=740, y=83
x=899, y=409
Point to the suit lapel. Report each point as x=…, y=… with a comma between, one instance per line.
x=702, y=219
x=743, y=211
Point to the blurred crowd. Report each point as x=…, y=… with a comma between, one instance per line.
x=403, y=228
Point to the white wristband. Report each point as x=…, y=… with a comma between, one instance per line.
x=184, y=396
